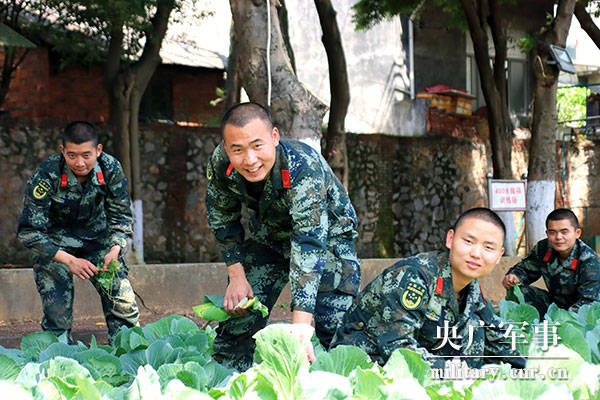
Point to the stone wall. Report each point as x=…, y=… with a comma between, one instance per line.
x=406, y=191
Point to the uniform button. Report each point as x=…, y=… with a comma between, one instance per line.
x=361, y=324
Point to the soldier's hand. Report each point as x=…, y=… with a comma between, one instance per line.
x=509, y=281
x=304, y=333
x=82, y=268
x=113, y=254
x=238, y=289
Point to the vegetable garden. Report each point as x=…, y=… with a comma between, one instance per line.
x=171, y=359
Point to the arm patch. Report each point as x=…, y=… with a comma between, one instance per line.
x=41, y=190
x=413, y=290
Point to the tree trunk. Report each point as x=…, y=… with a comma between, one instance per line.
x=335, y=147
x=119, y=118
x=233, y=85
x=480, y=15
x=542, y=155
x=587, y=23
x=285, y=32
x=126, y=85
x=7, y=71
x=295, y=111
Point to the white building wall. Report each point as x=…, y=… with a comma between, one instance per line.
x=377, y=69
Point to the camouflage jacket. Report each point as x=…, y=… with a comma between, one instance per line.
x=572, y=283
x=303, y=208
x=59, y=212
x=407, y=307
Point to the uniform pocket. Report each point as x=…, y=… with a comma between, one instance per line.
x=341, y=275
x=342, y=267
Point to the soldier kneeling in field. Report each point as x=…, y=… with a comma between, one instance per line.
x=76, y=218
x=570, y=268
x=432, y=304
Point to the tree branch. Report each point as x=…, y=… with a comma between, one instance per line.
x=587, y=23
x=113, y=57
x=155, y=34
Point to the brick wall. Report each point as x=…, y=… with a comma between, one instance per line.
x=440, y=122
x=41, y=89
x=193, y=90
x=28, y=92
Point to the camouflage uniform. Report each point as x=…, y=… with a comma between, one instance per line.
x=571, y=283
x=302, y=230
x=84, y=220
x=406, y=307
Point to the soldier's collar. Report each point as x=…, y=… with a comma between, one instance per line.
x=443, y=283
x=68, y=178
x=97, y=175
x=445, y=288
x=280, y=173
x=570, y=262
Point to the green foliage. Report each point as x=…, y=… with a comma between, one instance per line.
x=105, y=278
x=80, y=30
x=167, y=326
x=571, y=104
x=404, y=364
x=220, y=97
x=342, y=360
x=34, y=343
x=283, y=360
x=212, y=308
x=515, y=294
x=527, y=43
x=578, y=331
x=9, y=369
x=170, y=359
x=368, y=13
x=130, y=339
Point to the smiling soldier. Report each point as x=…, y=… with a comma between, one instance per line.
x=432, y=304
x=570, y=268
x=76, y=215
x=301, y=230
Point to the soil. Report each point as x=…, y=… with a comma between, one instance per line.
x=84, y=329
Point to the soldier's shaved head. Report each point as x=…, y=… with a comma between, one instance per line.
x=241, y=114
x=563, y=213
x=481, y=213
x=79, y=132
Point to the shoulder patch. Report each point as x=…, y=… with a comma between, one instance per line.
x=412, y=292
x=41, y=190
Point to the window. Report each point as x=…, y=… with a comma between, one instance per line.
x=518, y=85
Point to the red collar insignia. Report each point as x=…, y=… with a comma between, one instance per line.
x=439, y=285
x=574, y=264
x=547, y=256
x=229, y=169
x=285, y=178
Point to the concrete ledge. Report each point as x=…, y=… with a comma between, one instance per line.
x=172, y=288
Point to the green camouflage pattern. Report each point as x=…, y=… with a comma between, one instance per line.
x=85, y=221
x=54, y=282
x=267, y=273
x=567, y=287
x=303, y=234
x=310, y=223
x=56, y=216
x=402, y=309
